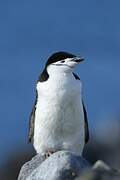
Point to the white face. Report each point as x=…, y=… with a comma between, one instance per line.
x=65, y=65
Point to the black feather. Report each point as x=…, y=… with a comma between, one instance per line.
x=32, y=121
x=76, y=76
x=86, y=124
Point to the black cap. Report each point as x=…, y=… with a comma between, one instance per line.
x=59, y=56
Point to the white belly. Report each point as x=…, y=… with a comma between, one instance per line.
x=59, y=119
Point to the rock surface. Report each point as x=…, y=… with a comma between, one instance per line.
x=100, y=171
x=30, y=166
x=65, y=165
x=62, y=165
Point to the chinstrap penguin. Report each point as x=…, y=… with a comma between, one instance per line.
x=58, y=120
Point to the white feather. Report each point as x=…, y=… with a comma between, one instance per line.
x=59, y=118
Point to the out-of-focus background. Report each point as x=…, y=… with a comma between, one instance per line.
x=29, y=32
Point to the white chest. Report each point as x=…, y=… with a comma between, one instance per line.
x=59, y=119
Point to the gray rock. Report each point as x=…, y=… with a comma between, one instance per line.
x=100, y=171
x=29, y=166
x=62, y=165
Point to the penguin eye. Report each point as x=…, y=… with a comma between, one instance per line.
x=62, y=61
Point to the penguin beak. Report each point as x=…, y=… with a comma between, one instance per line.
x=77, y=59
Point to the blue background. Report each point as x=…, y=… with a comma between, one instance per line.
x=30, y=31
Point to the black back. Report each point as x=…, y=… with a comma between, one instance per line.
x=76, y=76
x=43, y=76
x=86, y=124
x=32, y=121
